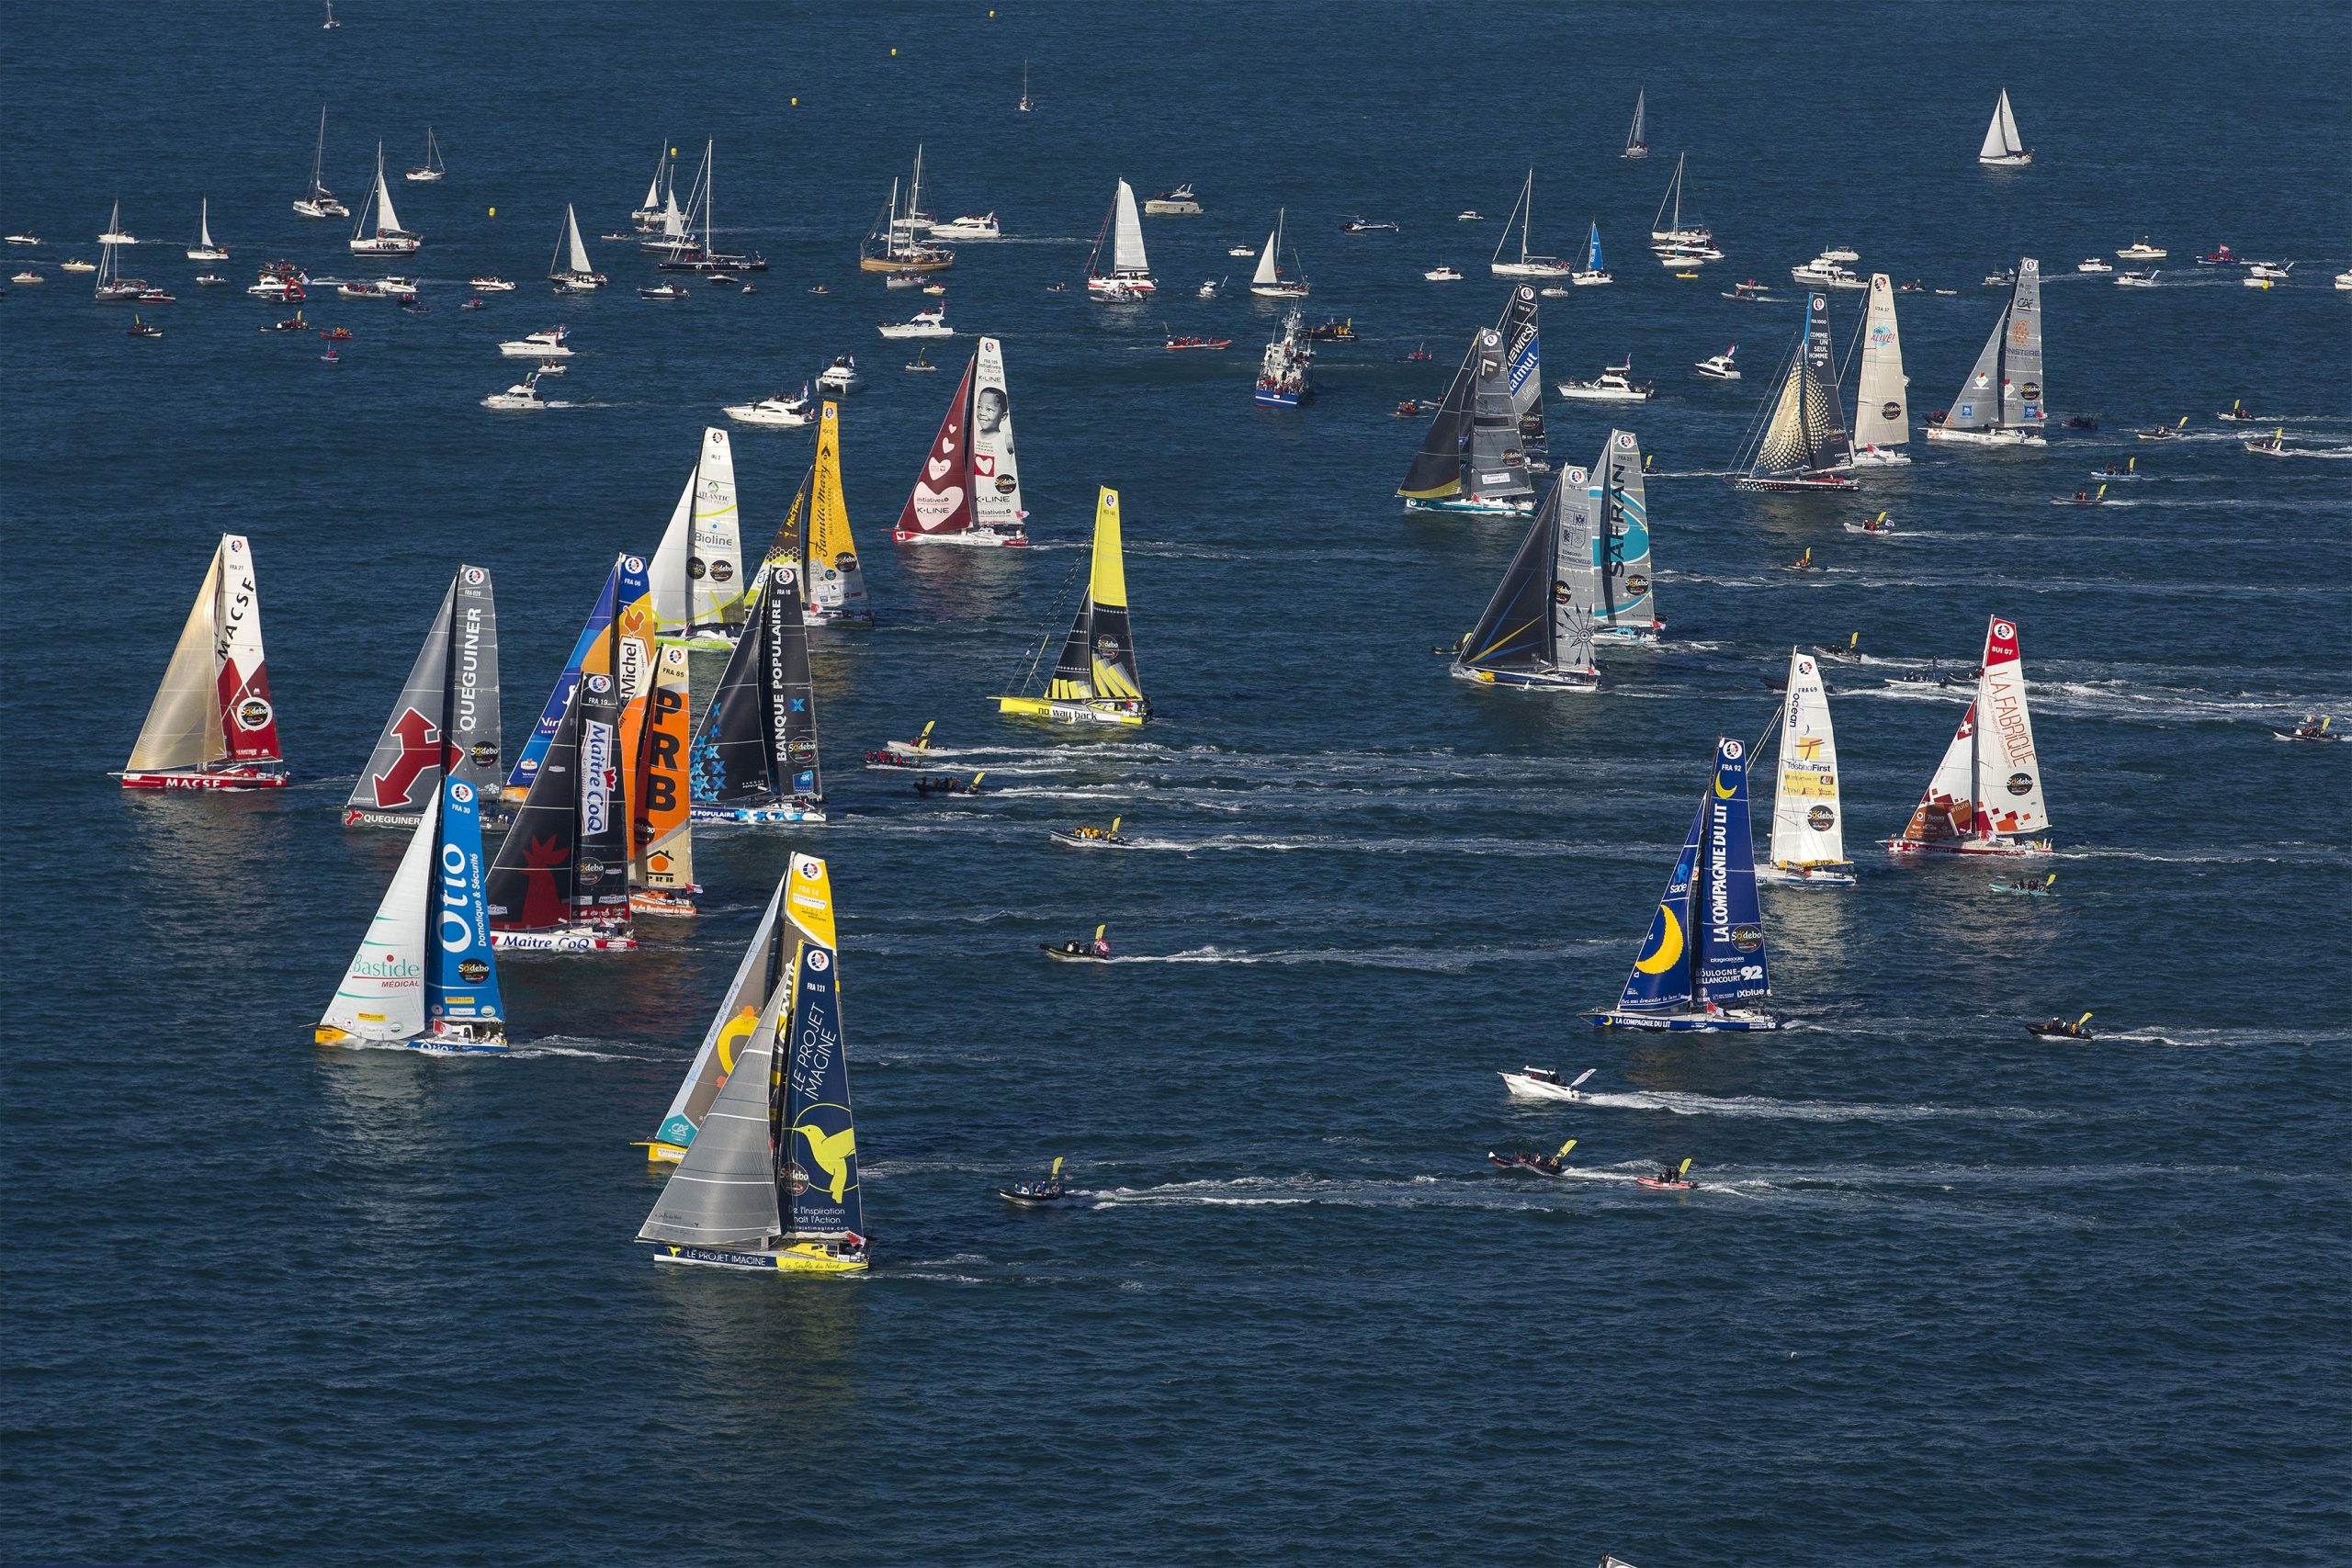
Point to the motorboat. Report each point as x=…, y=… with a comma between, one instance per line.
x=841, y=378
x=546, y=344
x=932, y=322
x=142, y=329
x=1441, y=273
x=1914, y=286
x=1719, y=367
x=776, y=411
x=1841, y=253
x=1211, y=287
x=2255, y=282
x=552, y=367
x=2220, y=256
x=76, y=263
x=905, y=277
x=1176, y=345
x=1111, y=291
x=1877, y=526
x=2140, y=250
x=1544, y=1083
x=1615, y=384
x=2276, y=271
x=489, y=283
x=523, y=394
x=27, y=277
x=1249, y=251
x=2237, y=412
x=293, y=324
x=336, y=334
x=2271, y=445
x=397, y=288
x=2005, y=278
x=1366, y=226
x=358, y=289
x=475, y=302
x=1178, y=203
x=1750, y=291
x=150, y=295
x=20, y=239
x=2344, y=280
x=920, y=366
x=2093, y=265
x=1469, y=218
x=2136, y=280
x=1552, y=293
x=977, y=226
x=663, y=291
x=1823, y=273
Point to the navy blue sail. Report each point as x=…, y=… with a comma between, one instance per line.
x=1732, y=967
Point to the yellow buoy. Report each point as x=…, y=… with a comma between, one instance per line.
x=493, y=212
x=795, y=103
x=894, y=55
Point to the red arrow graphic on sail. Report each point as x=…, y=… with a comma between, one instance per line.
x=420, y=750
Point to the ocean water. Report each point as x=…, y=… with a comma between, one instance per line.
x=1947, y=1294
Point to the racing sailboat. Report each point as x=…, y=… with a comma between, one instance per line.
x=754, y=758
x=1801, y=444
x=816, y=530
x=1985, y=796
x=1704, y=954
x=2001, y=403
x=1808, y=831
x=769, y=1181
x=424, y=975
x=1094, y=682
x=1628, y=604
x=969, y=490
x=527, y=761
x=654, y=739
x=1536, y=633
x=447, y=712
x=1472, y=456
x=212, y=724
x=1129, y=273
x=2002, y=147
x=761, y=975
x=1881, y=400
x=560, y=880
x=697, y=573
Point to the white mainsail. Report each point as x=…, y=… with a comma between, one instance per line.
x=653, y=186
x=387, y=221
x=2009, y=769
x=996, y=471
x=204, y=222
x=697, y=571
x=382, y=993
x=1268, y=271
x=572, y=237
x=1881, y=408
x=1808, y=828
x=1126, y=234
x=2001, y=142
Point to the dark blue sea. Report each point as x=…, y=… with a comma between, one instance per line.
x=1946, y=1294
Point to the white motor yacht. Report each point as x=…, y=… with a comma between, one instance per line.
x=2093, y=264
x=21, y=239
x=489, y=283
x=777, y=412
x=2275, y=271
x=2140, y=250
x=523, y=394
x=1441, y=273
x=981, y=226
x=1719, y=367
x=544, y=344
x=2136, y=280
x=923, y=323
x=841, y=378
x=1842, y=254
x=1613, y=385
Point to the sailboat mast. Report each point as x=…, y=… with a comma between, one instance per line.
x=1527, y=218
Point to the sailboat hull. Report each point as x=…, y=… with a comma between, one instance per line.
x=1729, y=1022
x=1804, y=876
x=1944, y=438
x=2008, y=160
x=801, y=1258
x=431, y=1045
x=222, y=778
x=562, y=938
x=968, y=538
x=2011, y=849
x=755, y=815
x=1520, y=506
x=1794, y=483
x=1531, y=680
x=1071, y=712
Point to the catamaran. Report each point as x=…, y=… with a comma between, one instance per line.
x=1522, y=213
x=1636, y=147
x=770, y=1180
x=1808, y=833
x=560, y=880
x=1676, y=233
x=1593, y=272
x=569, y=268
x=446, y=714
x=425, y=975
x=697, y=574
x=2002, y=148
x=1800, y=444
x=2001, y=402
x=432, y=170
x=1473, y=457
x=387, y=238
x=204, y=250
x=318, y=201
x=1270, y=282
x=1536, y=633
x=212, y=724
x=969, y=490
x=1705, y=953
x=1094, y=682
x=1985, y=796
x=763, y=974
x=1882, y=397
x=1628, y=605
x=754, y=759
x=1130, y=270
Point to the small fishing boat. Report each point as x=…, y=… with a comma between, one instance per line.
x=212, y=724
x=1178, y=203
x=770, y=1180
x=2059, y=1028
x=1077, y=951
x=2141, y=250
x=2002, y=148
x=775, y=411
x=431, y=171
x=1094, y=681
x=522, y=396
x=2004, y=402
x=925, y=323
x=1442, y=273
x=1720, y=367
x=1128, y=267
x=140, y=329
x=1673, y=1178
x=968, y=489
x=1084, y=837
x=2093, y=265
x=1542, y=1083
x=1613, y=385
x=664, y=291
x=1536, y=633
x=549, y=342
x=1984, y=797
x=1808, y=823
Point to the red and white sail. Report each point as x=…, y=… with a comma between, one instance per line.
x=969, y=490
x=941, y=502
x=1946, y=811
x=2008, y=774
x=213, y=707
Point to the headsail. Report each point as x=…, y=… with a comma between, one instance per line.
x=448, y=708
x=381, y=997
x=836, y=586
x=698, y=572
x=213, y=706
x=1436, y=471
x=758, y=976
x=1628, y=604
x=1947, y=810
x=1269, y=266
x=1881, y=400
x=1808, y=828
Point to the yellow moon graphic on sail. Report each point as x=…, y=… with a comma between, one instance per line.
x=1669, y=945
x=730, y=1039
x=1720, y=793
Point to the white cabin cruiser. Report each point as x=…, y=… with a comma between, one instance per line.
x=776, y=413
x=1542, y=1083
x=1441, y=273
x=1719, y=367
x=2093, y=265
x=932, y=322
x=2140, y=250
x=1615, y=384
x=546, y=344
x=841, y=378
x=524, y=394
x=979, y=226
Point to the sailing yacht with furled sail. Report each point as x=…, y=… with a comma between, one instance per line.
x=1675, y=232
x=1522, y=214
x=1094, y=682
x=568, y=268
x=1985, y=796
x=1536, y=633
x=1808, y=827
x=2001, y=402
x=1704, y=954
x=1270, y=282
x=2002, y=148
x=1628, y=605
x=969, y=490
x=425, y=975
x=896, y=242
x=560, y=880
x=753, y=760
x=697, y=573
x=204, y=250
x=763, y=972
x=770, y=1180
x=1472, y=457
x=431, y=171
x=318, y=201
x=1882, y=392
x=679, y=249
x=387, y=238
x=1635, y=146
x=1801, y=444
x=212, y=724
x=447, y=712
x=1129, y=270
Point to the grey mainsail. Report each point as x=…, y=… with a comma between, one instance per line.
x=724, y=1191
x=1496, y=468
x=1621, y=551
x=735, y=1022
x=457, y=670
x=2004, y=390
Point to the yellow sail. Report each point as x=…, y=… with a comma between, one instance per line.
x=809, y=900
x=1095, y=677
